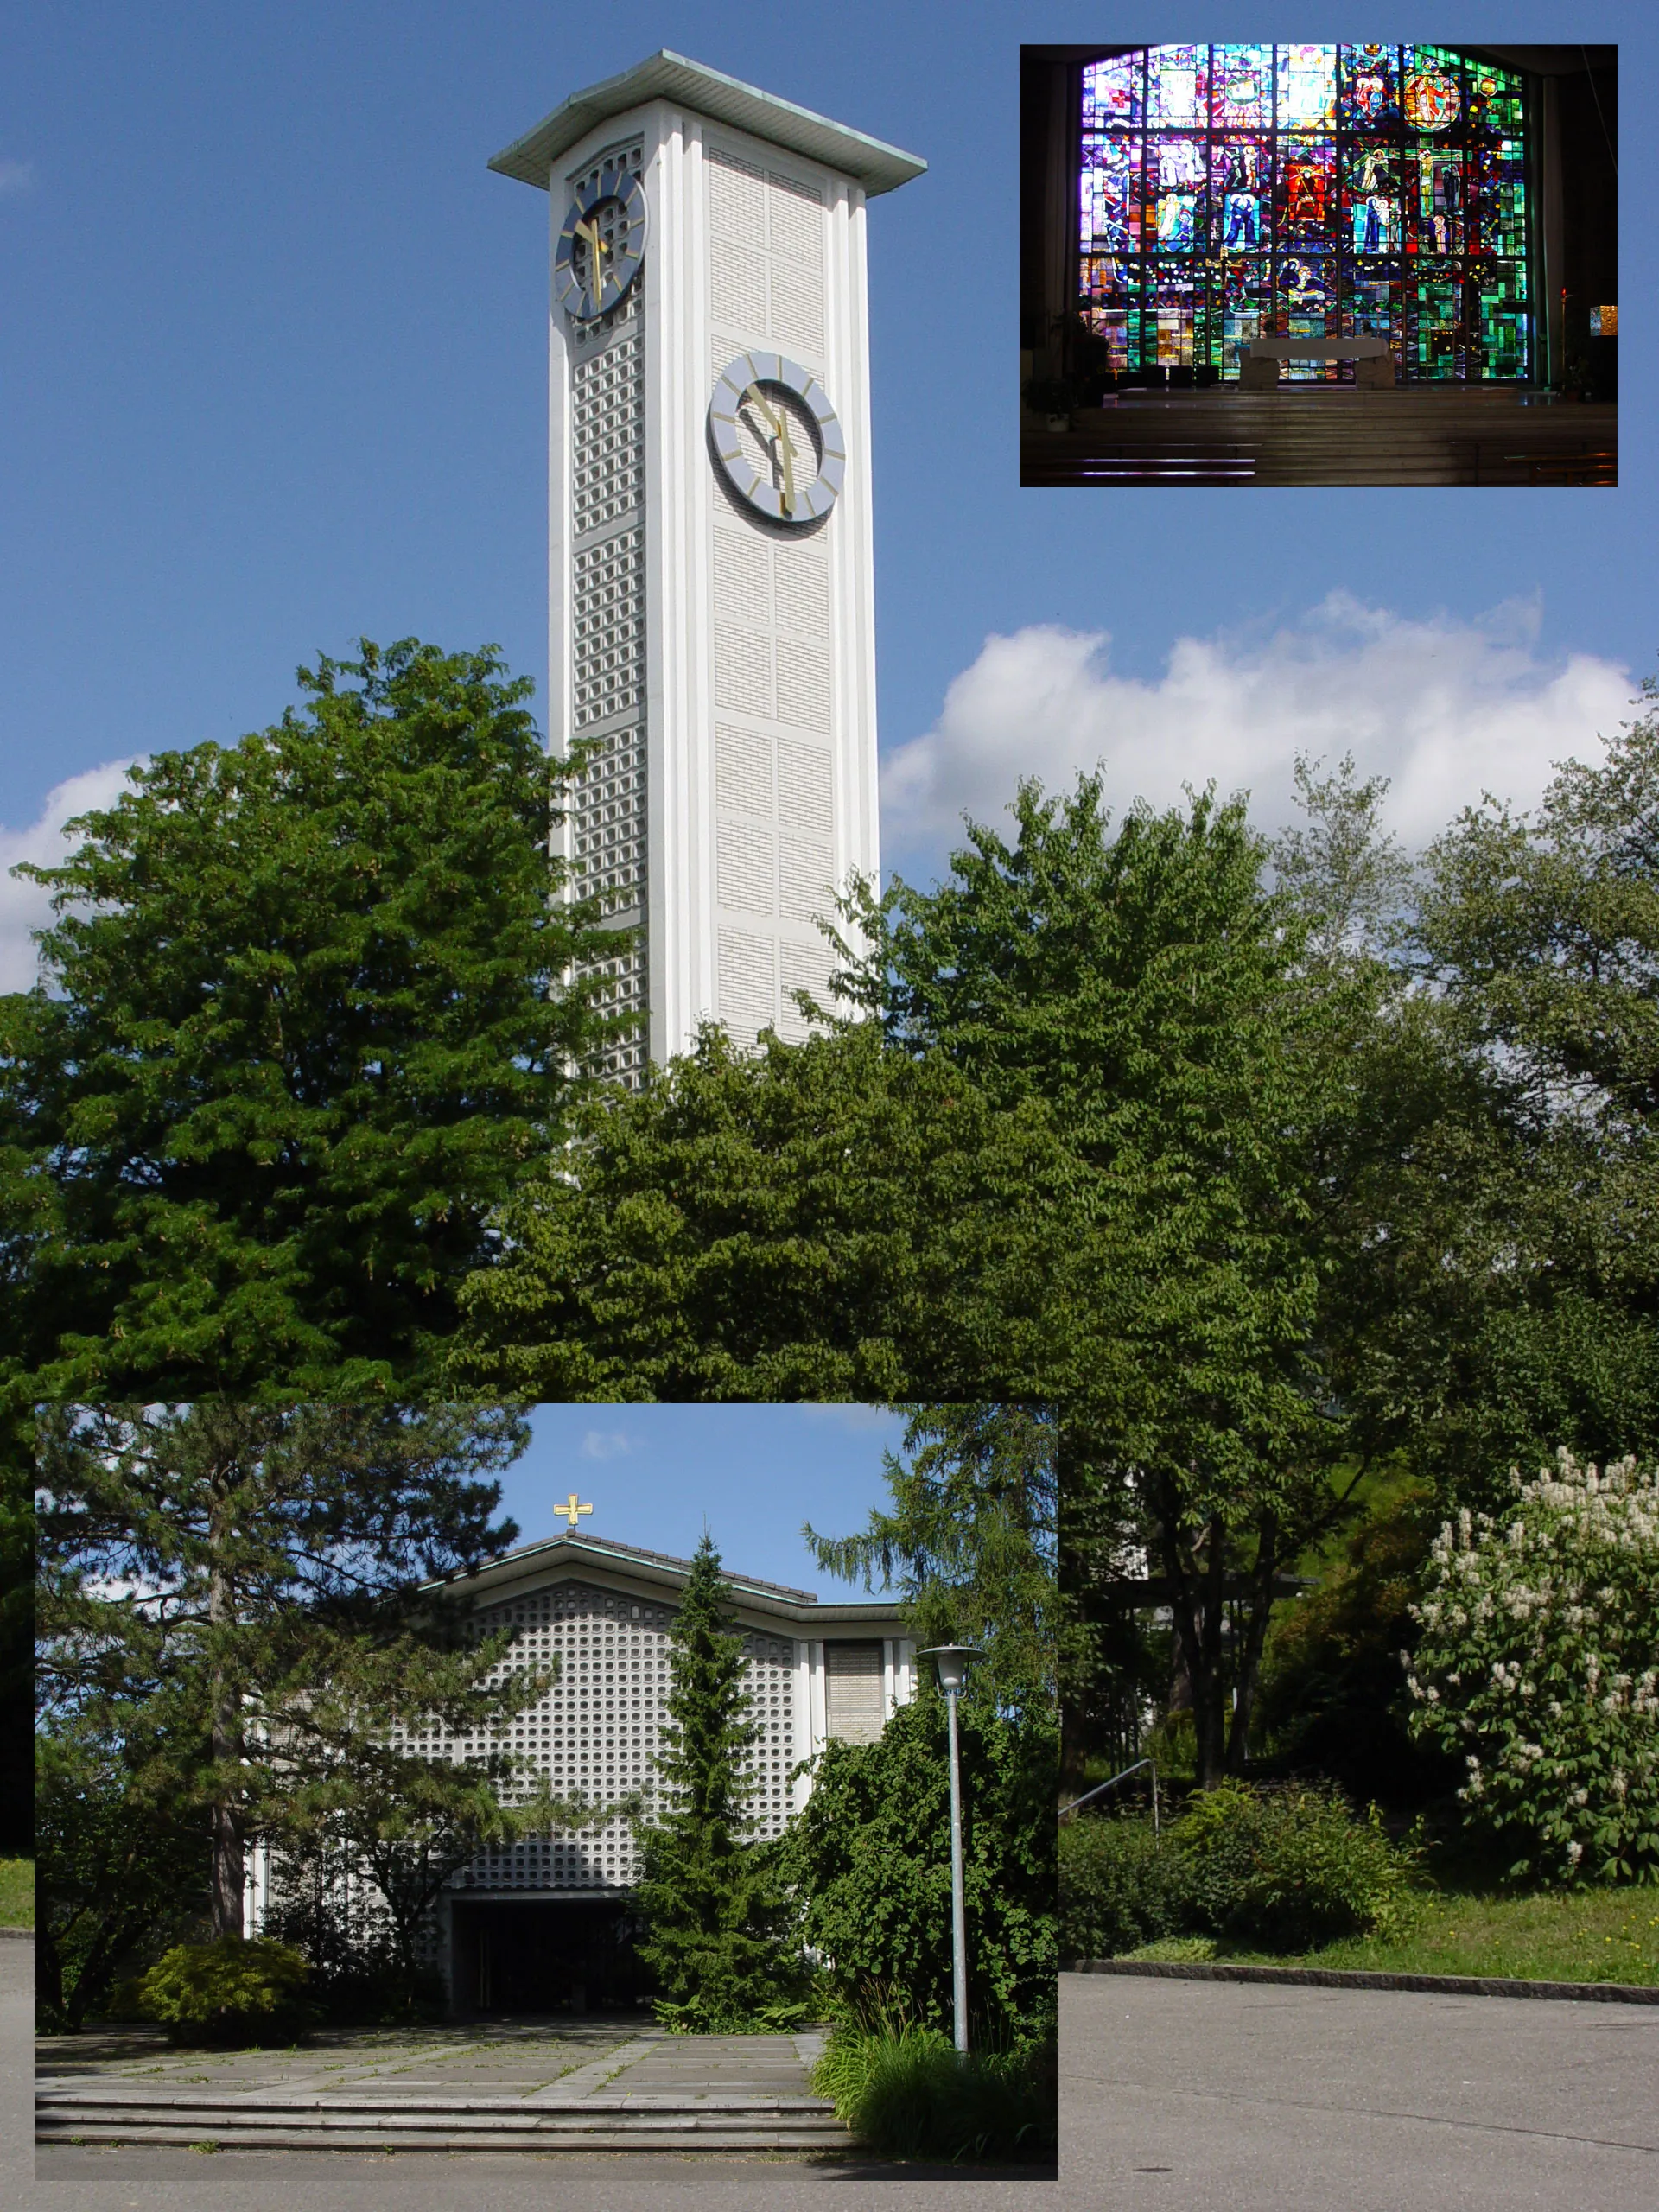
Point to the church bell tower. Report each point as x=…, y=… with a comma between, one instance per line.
x=711, y=609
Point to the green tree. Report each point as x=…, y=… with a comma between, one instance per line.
x=814, y=1221
x=118, y=1867
x=969, y=1542
x=373, y=1814
x=1541, y=933
x=870, y=1857
x=303, y=1019
x=716, y=1922
x=17, y=1632
x=1137, y=981
x=246, y=1581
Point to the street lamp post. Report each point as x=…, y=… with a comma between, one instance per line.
x=951, y=1661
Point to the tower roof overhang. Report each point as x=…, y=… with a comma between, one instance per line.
x=878, y=167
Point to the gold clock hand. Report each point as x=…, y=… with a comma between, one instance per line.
x=598, y=248
x=777, y=423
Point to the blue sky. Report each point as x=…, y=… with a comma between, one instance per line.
x=658, y=1475
x=274, y=360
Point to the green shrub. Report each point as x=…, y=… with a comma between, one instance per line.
x=1117, y=1886
x=907, y=2094
x=869, y=1859
x=1287, y=1868
x=234, y=1990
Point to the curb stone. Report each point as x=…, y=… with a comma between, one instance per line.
x=1436, y=1985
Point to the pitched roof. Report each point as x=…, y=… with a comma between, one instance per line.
x=662, y=1574
x=877, y=167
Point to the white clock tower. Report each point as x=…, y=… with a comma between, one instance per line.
x=711, y=609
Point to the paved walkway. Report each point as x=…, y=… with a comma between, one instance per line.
x=489, y=2060
x=520, y=2085
x=1231, y=2097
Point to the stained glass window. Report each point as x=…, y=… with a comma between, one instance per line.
x=1233, y=192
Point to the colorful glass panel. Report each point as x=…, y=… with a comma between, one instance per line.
x=1175, y=192
x=1433, y=99
x=1370, y=199
x=1437, y=224
x=1306, y=190
x=1108, y=167
x=1369, y=88
x=1307, y=308
x=1107, y=295
x=1497, y=201
x=1241, y=88
x=1307, y=87
x=1241, y=195
x=1112, y=95
x=1375, y=190
x=1178, y=87
x=1246, y=309
x=1174, y=310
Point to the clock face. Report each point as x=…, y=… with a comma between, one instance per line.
x=601, y=245
x=776, y=439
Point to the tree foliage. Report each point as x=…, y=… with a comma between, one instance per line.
x=716, y=1934
x=815, y=1221
x=302, y=1020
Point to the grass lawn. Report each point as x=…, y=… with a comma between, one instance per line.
x=1586, y=1935
x=16, y=1892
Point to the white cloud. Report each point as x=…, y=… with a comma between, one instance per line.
x=606, y=1444
x=25, y=905
x=1445, y=708
x=15, y=176
x=862, y=1420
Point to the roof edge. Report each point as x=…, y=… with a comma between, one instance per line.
x=667, y=75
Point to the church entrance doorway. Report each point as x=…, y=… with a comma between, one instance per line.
x=545, y=1955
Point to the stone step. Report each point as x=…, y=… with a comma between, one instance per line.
x=123, y=2113
x=542, y=2141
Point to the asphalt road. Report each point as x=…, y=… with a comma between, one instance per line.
x=1182, y=2096
x=1228, y=2097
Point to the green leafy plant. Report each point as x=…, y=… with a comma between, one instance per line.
x=1539, y=1663
x=1287, y=1868
x=870, y=1860
x=234, y=1990
x=1118, y=1886
x=697, y=2018
x=907, y=2093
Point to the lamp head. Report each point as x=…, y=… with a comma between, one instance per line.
x=952, y=1662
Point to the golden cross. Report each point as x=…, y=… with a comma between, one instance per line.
x=570, y=1509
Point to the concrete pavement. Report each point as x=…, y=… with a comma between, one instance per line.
x=1231, y=2097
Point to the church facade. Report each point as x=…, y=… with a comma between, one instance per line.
x=711, y=606
x=541, y=1926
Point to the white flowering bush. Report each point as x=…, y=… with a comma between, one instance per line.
x=1538, y=1664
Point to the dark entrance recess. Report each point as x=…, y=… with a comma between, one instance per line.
x=545, y=1955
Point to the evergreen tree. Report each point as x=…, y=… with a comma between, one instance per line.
x=969, y=1542
x=716, y=1917
x=238, y=1589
